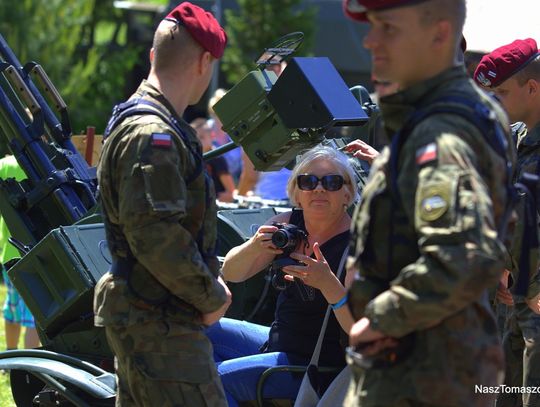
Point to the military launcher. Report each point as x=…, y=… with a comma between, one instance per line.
x=55, y=223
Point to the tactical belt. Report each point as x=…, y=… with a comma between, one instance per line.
x=122, y=268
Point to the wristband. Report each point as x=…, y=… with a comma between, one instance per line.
x=340, y=303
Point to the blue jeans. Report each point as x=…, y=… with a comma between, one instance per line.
x=240, y=362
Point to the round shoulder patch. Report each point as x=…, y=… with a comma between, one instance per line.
x=433, y=203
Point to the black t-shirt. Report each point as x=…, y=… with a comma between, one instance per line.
x=297, y=323
x=216, y=167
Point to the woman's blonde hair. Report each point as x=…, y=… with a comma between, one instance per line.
x=218, y=94
x=331, y=155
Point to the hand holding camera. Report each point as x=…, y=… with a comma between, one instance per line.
x=288, y=238
x=262, y=240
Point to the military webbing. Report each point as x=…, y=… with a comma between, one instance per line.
x=122, y=266
x=482, y=118
x=140, y=106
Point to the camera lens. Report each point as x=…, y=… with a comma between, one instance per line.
x=280, y=239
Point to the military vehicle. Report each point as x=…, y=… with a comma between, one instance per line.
x=55, y=223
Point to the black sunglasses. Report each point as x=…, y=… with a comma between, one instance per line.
x=308, y=182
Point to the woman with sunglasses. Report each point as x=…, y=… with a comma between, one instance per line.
x=321, y=187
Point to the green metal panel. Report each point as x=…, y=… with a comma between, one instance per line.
x=56, y=278
x=252, y=122
x=253, y=299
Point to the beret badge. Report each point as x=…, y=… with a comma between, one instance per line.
x=482, y=80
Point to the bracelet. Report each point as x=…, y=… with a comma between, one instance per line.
x=340, y=303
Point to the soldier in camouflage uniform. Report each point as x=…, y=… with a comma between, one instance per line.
x=427, y=235
x=513, y=73
x=160, y=218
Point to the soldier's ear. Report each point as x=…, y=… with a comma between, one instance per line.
x=205, y=62
x=533, y=86
x=151, y=55
x=442, y=36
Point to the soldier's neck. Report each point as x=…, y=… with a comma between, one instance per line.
x=174, y=90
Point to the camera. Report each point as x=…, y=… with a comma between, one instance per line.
x=287, y=238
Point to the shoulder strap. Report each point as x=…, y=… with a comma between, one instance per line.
x=483, y=118
x=475, y=113
x=527, y=185
x=311, y=375
x=297, y=218
x=140, y=106
x=317, y=350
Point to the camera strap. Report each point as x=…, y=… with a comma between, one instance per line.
x=312, y=369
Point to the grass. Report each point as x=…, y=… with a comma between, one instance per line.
x=6, y=400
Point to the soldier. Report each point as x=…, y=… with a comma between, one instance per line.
x=513, y=73
x=427, y=236
x=160, y=218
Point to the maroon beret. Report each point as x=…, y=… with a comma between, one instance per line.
x=499, y=65
x=202, y=26
x=356, y=9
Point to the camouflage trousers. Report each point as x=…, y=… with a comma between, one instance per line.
x=366, y=388
x=352, y=398
x=164, y=363
x=521, y=345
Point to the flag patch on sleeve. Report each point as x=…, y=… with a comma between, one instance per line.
x=161, y=140
x=426, y=154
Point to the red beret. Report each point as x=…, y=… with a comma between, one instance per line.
x=202, y=26
x=356, y=9
x=499, y=65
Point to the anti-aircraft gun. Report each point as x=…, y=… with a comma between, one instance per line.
x=62, y=244
x=56, y=226
x=275, y=119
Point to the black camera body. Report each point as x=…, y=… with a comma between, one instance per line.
x=288, y=238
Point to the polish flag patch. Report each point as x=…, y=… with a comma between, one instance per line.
x=161, y=140
x=426, y=154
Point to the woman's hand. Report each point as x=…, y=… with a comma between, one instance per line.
x=315, y=272
x=262, y=240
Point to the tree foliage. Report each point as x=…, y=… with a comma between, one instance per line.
x=257, y=25
x=78, y=43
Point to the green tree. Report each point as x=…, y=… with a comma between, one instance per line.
x=257, y=25
x=79, y=44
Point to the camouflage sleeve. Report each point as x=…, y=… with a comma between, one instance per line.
x=152, y=203
x=460, y=254
x=526, y=163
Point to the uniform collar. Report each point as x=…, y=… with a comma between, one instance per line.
x=531, y=137
x=146, y=89
x=398, y=107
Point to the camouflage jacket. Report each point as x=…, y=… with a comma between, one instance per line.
x=528, y=160
x=166, y=223
x=427, y=252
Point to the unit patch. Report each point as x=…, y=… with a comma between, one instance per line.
x=161, y=140
x=481, y=78
x=433, y=204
